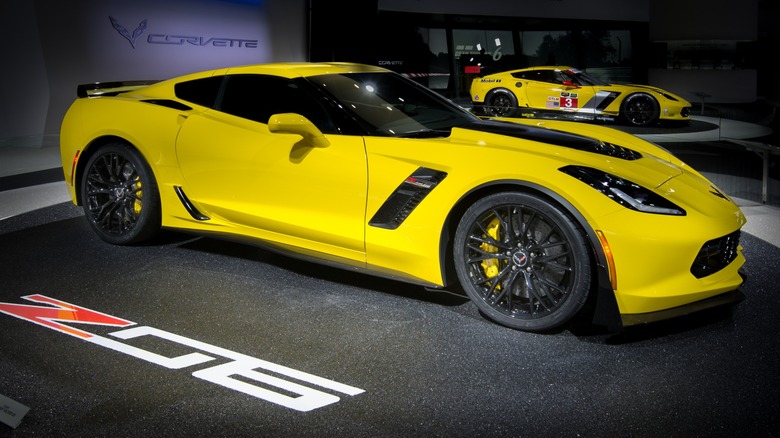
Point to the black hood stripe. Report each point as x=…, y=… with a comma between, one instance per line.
x=553, y=137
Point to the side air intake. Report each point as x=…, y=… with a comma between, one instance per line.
x=406, y=198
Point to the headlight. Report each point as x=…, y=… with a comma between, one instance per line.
x=624, y=192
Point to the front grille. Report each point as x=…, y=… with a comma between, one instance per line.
x=715, y=255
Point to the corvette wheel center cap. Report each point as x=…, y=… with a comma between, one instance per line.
x=520, y=259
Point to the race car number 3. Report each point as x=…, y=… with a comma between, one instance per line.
x=569, y=102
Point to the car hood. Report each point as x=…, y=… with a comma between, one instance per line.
x=629, y=157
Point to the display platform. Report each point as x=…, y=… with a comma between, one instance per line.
x=694, y=126
x=192, y=336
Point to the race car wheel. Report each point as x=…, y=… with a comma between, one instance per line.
x=501, y=103
x=120, y=196
x=640, y=109
x=522, y=261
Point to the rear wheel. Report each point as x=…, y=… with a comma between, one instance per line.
x=522, y=261
x=501, y=103
x=120, y=196
x=640, y=109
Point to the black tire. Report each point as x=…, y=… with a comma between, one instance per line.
x=120, y=196
x=501, y=103
x=640, y=109
x=522, y=261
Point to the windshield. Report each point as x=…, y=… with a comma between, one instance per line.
x=387, y=104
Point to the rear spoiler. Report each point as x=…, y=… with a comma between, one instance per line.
x=109, y=88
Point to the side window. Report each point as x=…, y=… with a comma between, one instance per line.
x=540, y=75
x=199, y=91
x=258, y=97
x=572, y=78
x=522, y=75
x=548, y=76
x=560, y=77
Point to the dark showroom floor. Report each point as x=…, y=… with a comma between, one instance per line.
x=198, y=337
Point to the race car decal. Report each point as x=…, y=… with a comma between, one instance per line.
x=603, y=99
x=569, y=101
x=291, y=395
x=599, y=102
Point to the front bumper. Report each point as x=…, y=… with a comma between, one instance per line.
x=724, y=299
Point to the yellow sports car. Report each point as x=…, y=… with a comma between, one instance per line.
x=568, y=93
x=359, y=167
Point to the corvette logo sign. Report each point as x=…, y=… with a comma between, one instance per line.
x=122, y=31
x=179, y=40
x=57, y=315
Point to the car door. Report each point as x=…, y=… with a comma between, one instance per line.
x=276, y=186
x=553, y=90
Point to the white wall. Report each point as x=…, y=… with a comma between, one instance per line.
x=51, y=46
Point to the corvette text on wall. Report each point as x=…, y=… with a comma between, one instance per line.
x=241, y=365
x=178, y=40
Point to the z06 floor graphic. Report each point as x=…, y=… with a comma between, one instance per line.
x=241, y=365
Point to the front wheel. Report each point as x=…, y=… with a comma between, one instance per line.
x=120, y=196
x=522, y=261
x=640, y=109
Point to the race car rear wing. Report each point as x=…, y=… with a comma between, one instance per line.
x=109, y=88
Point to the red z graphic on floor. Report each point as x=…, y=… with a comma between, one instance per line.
x=241, y=365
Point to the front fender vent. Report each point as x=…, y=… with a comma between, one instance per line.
x=409, y=194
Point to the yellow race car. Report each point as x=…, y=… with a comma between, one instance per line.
x=359, y=167
x=568, y=93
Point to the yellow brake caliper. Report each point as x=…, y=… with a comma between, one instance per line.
x=138, y=204
x=491, y=266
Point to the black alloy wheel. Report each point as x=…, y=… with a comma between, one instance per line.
x=501, y=103
x=522, y=261
x=120, y=196
x=640, y=109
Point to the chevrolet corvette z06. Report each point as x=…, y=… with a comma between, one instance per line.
x=356, y=166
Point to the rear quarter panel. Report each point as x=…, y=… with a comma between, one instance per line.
x=150, y=129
